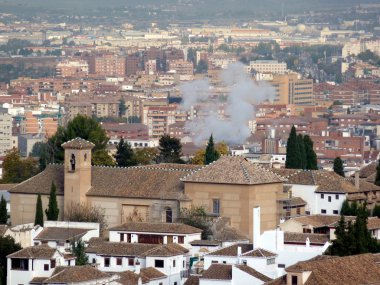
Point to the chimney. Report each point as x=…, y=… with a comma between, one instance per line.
x=239, y=251
x=357, y=180
x=137, y=267
x=256, y=227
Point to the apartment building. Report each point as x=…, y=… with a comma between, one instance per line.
x=6, y=140
x=107, y=65
x=267, y=66
x=290, y=89
x=158, y=119
x=72, y=68
x=181, y=67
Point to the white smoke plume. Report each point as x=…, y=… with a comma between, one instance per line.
x=239, y=108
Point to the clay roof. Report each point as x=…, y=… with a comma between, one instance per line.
x=173, y=228
x=320, y=239
x=295, y=201
x=75, y=274
x=326, y=181
x=259, y=252
x=192, y=280
x=61, y=234
x=37, y=252
x=146, y=275
x=232, y=250
x=218, y=272
x=253, y=272
x=205, y=243
x=364, y=186
x=318, y=221
x=349, y=270
x=368, y=170
x=157, y=182
x=233, y=170
x=78, y=143
x=135, y=249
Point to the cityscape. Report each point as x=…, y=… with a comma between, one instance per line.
x=189, y=142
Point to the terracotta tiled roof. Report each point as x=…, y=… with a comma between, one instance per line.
x=253, y=272
x=78, y=143
x=146, y=274
x=172, y=228
x=61, y=234
x=373, y=223
x=318, y=221
x=218, y=272
x=233, y=170
x=135, y=249
x=205, y=243
x=37, y=252
x=192, y=280
x=368, y=170
x=320, y=239
x=295, y=201
x=75, y=274
x=232, y=250
x=364, y=186
x=259, y=252
x=348, y=270
x=279, y=281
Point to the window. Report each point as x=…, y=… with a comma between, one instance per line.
x=329, y=198
x=46, y=267
x=131, y=261
x=169, y=215
x=271, y=261
x=159, y=263
x=298, y=211
x=52, y=263
x=106, y=262
x=183, y=264
x=121, y=237
x=281, y=265
x=335, y=212
x=93, y=260
x=224, y=262
x=337, y=197
x=216, y=206
x=174, y=263
x=119, y=261
x=323, y=211
x=181, y=239
x=294, y=280
x=20, y=264
x=244, y=262
x=214, y=261
x=322, y=197
x=175, y=283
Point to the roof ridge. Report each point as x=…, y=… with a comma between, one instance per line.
x=245, y=172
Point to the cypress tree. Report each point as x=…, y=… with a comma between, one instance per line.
x=78, y=250
x=338, y=166
x=211, y=153
x=302, y=150
x=39, y=219
x=52, y=211
x=376, y=211
x=3, y=211
x=124, y=155
x=311, y=156
x=292, y=151
x=346, y=209
x=377, y=179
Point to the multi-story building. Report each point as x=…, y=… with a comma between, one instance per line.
x=6, y=140
x=181, y=67
x=107, y=65
x=267, y=66
x=292, y=90
x=72, y=68
x=150, y=66
x=132, y=65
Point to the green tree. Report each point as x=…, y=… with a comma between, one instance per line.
x=146, y=155
x=377, y=179
x=52, y=211
x=346, y=209
x=124, y=154
x=202, y=67
x=122, y=108
x=79, y=252
x=16, y=169
x=302, y=151
x=211, y=154
x=7, y=246
x=338, y=166
x=376, y=211
x=39, y=218
x=3, y=211
x=101, y=157
x=197, y=217
x=170, y=150
x=311, y=156
x=293, y=155
x=85, y=128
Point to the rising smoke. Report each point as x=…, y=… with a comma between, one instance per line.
x=243, y=94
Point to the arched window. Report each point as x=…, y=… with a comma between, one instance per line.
x=72, y=162
x=85, y=157
x=169, y=215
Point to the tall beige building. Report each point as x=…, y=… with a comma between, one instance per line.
x=292, y=90
x=6, y=140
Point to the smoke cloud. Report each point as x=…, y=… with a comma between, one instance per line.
x=243, y=94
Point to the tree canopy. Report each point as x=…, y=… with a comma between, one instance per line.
x=338, y=166
x=3, y=211
x=170, y=150
x=52, y=211
x=199, y=156
x=7, y=246
x=197, y=217
x=16, y=169
x=39, y=218
x=377, y=179
x=124, y=154
x=211, y=154
x=79, y=252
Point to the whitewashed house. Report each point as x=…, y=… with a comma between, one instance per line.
x=155, y=233
x=33, y=262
